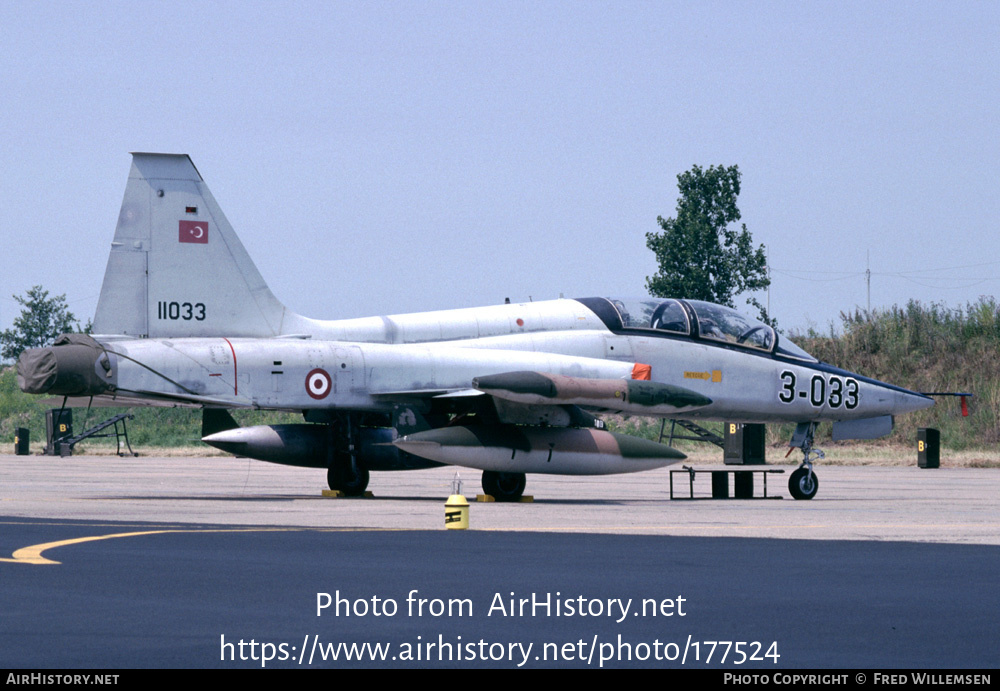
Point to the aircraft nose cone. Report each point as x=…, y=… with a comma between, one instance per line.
x=910, y=401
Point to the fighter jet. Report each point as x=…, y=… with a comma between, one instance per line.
x=185, y=319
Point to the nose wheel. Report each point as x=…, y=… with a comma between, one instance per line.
x=803, y=483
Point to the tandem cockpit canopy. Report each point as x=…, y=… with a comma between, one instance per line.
x=703, y=320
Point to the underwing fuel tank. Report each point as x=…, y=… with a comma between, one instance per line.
x=554, y=450
x=308, y=446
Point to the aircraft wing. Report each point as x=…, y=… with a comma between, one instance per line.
x=540, y=389
x=633, y=396
x=426, y=393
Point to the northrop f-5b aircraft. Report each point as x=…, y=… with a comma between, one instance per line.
x=185, y=319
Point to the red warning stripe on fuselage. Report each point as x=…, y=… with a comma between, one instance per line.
x=235, y=380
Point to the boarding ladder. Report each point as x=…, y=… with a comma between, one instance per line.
x=66, y=445
x=698, y=433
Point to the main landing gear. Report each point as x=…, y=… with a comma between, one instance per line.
x=345, y=471
x=803, y=483
x=347, y=475
x=504, y=486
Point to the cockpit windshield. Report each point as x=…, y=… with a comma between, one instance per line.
x=704, y=320
x=653, y=313
x=789, y=349
x=724, y=324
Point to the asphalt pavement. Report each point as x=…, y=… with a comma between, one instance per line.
x=109, y=563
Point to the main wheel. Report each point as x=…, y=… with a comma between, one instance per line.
x=504, y=486
x=803, y=484
x=341, y=476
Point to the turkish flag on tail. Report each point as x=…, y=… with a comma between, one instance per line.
x=194, y=231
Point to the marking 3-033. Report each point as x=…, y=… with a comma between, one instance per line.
x=831, y=390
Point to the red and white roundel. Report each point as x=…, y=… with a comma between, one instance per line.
x=318, y=384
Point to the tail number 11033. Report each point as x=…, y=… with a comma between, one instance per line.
x=833, y=390
x=180, y=310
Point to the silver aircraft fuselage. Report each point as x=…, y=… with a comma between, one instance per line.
x=370, y=364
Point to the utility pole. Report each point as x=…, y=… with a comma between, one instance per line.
x=767, y=267
x=868, y=279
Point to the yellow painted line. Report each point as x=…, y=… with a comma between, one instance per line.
x=33, y=553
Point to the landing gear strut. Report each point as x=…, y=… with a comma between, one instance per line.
x=345, y=472
x=504, y=486
x=803, y=483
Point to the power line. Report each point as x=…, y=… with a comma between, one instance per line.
x=910, y=272
x=923, y=277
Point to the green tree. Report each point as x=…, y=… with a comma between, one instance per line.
x=699, y=256
x=42, y=320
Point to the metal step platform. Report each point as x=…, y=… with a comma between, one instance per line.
x=743, y=483
x=66, y=445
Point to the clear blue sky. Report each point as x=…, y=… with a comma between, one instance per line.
x=394, y=157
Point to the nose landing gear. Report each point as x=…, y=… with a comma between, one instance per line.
x=803, y=483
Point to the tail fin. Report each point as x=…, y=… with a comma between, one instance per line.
x=176, y=266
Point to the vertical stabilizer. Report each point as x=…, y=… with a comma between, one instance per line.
x=176, y=266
